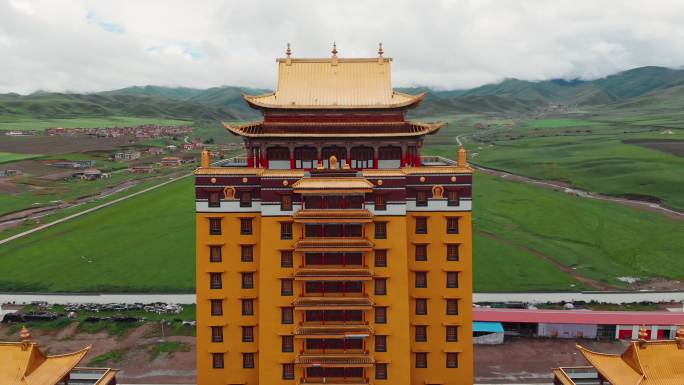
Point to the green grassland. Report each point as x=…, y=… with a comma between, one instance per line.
x=22, y=124
x=147, y=243
x=7, y=157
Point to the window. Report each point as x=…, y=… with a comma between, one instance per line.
x=287, y=344
x=248, y=360
x=381, y=230
x=216, y=307
x=452, y=280
x=247, y=307
x=380, y=343
x=421, y=225
x=214, y=199
x=421, y=198
x=380, y=315
x=217, y=334
x=245, y=198
x=248, y=334
x=217, y=360
x=421, y=252
x=214, y=226
x=215, y=281
x=380, y=203
x=286, y=259
x=215, y=254
x=286, y=202
x=452, y=360
x=452, y=225
x=380, y=371
x=246, y=253
x=248, y=280
x=452, y=307
x=421, y=279
x=288, y=372
x=286, y=316
x=286, y=287
x=451, y=333
x=421, y=360
x=421, y=333
x=452, y=198
x=245, y=226
x=452, y=252
x=380, y=286
x=285, y=230
x=421, y=306
x=380, y=258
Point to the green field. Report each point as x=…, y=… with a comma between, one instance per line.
x=6, y=157
x=8, y=123
x=147, y=243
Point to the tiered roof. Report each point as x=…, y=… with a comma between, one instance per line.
x=333, y=129
x=334, y=83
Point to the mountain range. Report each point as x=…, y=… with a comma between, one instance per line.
x=636, y=88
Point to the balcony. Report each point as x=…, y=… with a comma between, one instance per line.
x=333, y=216
x=333, y=330
x=333, y=303
x=350, y=244
x=436, y=161
x=332, y=274
x=333, y=381
x=334, y=360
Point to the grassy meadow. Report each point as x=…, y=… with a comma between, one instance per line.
x=7, y=157
x=8, y=123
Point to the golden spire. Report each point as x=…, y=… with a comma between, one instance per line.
x=334, y=54
x=679, y=337
x=643, y=336
x=205, y=160
x=25, y=337
x=380, y=52
x=462, y=157
x=288, y=52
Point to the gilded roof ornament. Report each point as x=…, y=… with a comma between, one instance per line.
x=25, y=337
x=334, y=54
x=380, y=53
x=288, y=53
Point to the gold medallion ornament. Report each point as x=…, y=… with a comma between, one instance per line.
x=244, y=180
x=285, y=183
x=229, y=193
x=453, y=179
x=422, y=179
x=213, y=180
x=379, y=182
x=438, y=192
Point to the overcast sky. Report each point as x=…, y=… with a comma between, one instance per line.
x=85, y=45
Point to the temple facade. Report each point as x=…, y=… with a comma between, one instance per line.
x=334, y=253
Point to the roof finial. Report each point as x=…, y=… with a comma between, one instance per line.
x=25, y=337
x=288, y=51
x=334, y=54
x=380, y=50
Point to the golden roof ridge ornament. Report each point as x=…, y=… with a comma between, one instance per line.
x=380, y=53
x=334, y=54
x=25, y=337
x=288, y=53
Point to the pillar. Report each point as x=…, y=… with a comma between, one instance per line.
x=292, y=157
x=404, y=155
x=375, y=156
x=250, y=156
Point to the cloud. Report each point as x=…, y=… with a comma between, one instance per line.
x=90, y=45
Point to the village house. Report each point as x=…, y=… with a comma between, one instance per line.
x=74, y=164
x=155, y=151
x=188, y=159
x=170, y=161
x=126, y=155
x=10, y=172
x=142, y=169
x=91, y=174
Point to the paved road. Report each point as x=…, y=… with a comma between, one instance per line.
x=607, y=297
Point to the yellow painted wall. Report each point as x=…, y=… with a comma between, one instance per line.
x=436, y=266
x=231, y=293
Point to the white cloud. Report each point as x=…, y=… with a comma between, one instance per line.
x=89, y=45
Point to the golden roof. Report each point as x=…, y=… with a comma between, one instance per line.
x=334, y=83
x=23, y=363
x=643, y=363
